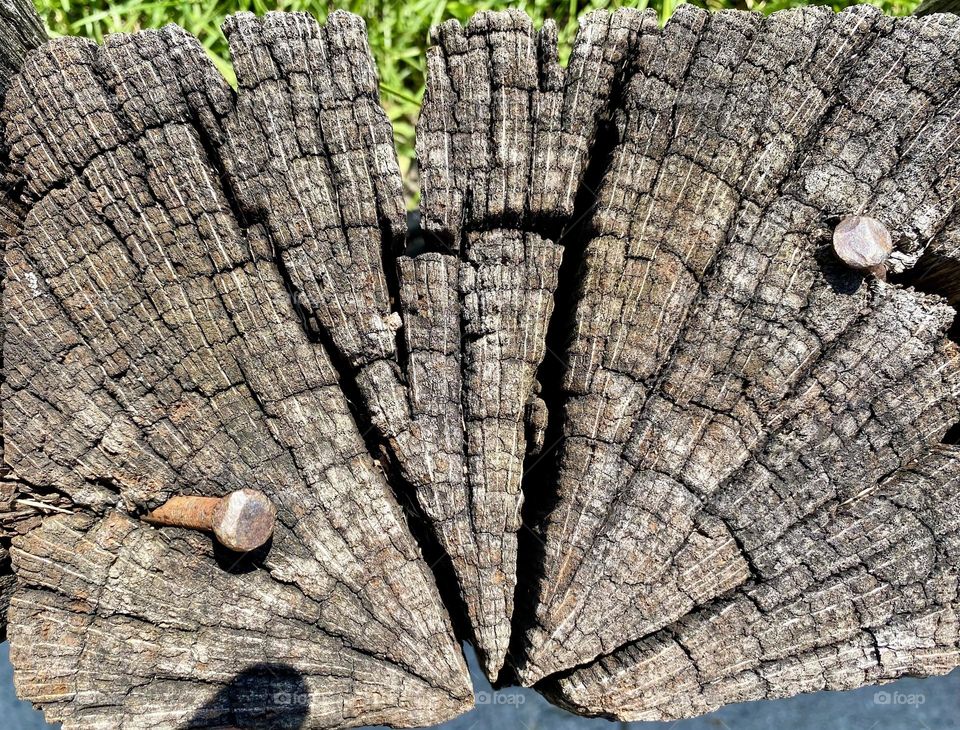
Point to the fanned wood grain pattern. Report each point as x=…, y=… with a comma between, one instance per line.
x=120, y=626
x=750, y=496
x=858, y=593
x=20, y=31
x=328, y=194
x=727, y=375
x=503, y=141
x=155, y=349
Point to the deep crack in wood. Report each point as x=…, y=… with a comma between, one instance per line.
x=629, y=307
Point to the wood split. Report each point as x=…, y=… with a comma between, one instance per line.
x=636, y=363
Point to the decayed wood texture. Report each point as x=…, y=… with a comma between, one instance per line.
x=728, y=378
x=857, y=594
x=20, y=31
x=471, y=327
x=154, y=349
x=503, y=143
x=750, y=497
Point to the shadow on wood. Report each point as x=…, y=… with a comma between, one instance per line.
x=265, y=695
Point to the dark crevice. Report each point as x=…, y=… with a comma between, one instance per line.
x=391, y=244
x=416, y=243
x=952, y=436
x=437, y=558
x=540, y=485
x=939, y=275
x=384, y=454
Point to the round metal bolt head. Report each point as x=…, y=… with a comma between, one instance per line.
x=862, y=243
x=243, y=520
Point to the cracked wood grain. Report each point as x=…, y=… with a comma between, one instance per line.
x=153, y=333
x=209, y=291
x=20, y=32
x=172, y=627
x=859, y=592
x=321, y=176
x=727, y=375
x=503, y=141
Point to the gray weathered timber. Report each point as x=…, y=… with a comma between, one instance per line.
x=631, y=255
x=329, y=196
x=20, y=31
x=857, y=593
x=121, y=626
x=503, y=143
x=154, y=349
x=727, y=376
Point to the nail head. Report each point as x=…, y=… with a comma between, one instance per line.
x=862, y=242
x=244, y=520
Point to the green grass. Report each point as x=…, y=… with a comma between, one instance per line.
x=397, y=29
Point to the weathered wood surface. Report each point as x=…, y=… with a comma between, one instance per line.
x=20, y=31
x=857, y=594
x=727, y=376
x=503, y=143
x=154, y=349
x=626, y=308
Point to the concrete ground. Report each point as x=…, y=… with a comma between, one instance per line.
x=910, y=704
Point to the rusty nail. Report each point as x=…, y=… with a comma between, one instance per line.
x=863, y=243
x=242, y=520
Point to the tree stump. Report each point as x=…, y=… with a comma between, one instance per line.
x=623, y=419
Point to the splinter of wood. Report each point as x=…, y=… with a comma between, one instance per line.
x=863, y=243
x=242, y=520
